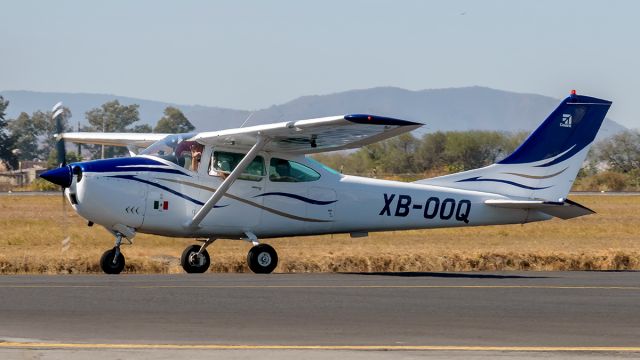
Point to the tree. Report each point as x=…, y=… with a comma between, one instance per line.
x=6, y=140
x=112, y=117
x=34, y=136
x=25, y=133
x=429, y=154
x=621, y=152
x=71, y=157
x=142, y=128
x=49, y=130
x=173, y=122
x=473, y=149
x=392, y=156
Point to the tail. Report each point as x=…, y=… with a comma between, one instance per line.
x=545, y=166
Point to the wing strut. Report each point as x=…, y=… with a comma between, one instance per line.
x=219, y=193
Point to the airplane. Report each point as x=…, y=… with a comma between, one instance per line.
x=258, y=182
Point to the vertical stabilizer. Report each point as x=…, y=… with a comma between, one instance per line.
x=546, y=164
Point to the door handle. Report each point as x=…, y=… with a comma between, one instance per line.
x=257, y=187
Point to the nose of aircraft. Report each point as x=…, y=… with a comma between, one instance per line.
x=60, y=176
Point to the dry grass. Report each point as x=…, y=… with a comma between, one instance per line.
x=34, y=228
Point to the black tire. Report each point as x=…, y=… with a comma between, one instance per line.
x=193, y=265
x=107, y=265
x=262, y=259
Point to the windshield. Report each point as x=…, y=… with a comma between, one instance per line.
x=316, y=162
x=173, y=148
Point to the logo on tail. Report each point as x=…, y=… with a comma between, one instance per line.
x=566, y=120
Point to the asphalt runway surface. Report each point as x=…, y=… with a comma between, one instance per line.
x=411, y=314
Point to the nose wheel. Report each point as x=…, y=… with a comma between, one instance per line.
x=112, y=261
x=262, y=259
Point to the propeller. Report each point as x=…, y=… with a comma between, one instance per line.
x=62, y=175
x=57, y=116
x=64, y=172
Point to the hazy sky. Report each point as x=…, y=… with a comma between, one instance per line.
x=252, y=54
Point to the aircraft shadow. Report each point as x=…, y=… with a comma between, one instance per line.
x=449, y=275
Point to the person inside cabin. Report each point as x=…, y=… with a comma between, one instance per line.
x=221, y=165
x=282, y=171
x=196, y=155
x=188, y=154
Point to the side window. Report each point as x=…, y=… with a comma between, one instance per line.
x=281, y=170
x=223, y=163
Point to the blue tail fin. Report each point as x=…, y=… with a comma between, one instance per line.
x=569, y=129
x=546, y=164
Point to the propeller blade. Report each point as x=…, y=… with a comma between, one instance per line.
x=58, y=115
x=62, y=175
x=66, y=242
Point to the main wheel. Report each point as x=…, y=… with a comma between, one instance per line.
x=262, y=259
x=194, y=263
x=107, y=263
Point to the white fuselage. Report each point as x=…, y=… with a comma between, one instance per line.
x=160, y=197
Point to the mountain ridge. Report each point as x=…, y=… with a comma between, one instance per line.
x=447, y=109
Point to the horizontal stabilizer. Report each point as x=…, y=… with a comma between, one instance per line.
x=563, y=210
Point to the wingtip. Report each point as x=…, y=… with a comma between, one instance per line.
x=379, y=120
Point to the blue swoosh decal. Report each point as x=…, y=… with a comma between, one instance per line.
x=134, y=178
x=564, y=157
x=135, y=163
x=146, y=169
x=297, y=197
x=504, y=182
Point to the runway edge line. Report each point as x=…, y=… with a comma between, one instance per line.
x=44, y=345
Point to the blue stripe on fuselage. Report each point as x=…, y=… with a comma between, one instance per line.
x=135, y=163
x=298, y=197
x=512, y=183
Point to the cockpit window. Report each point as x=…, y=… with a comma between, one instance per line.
x=223, y=163
x=175, y=148
x=281, y=170
x=316, y=162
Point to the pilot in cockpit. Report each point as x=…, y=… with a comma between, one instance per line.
x=196, y=155
x=189, y=154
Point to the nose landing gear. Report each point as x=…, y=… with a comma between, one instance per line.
x=112, y=261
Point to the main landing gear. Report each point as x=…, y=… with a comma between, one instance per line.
x=195, y=258
x=262, y=258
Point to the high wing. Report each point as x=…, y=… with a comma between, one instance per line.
x=302, y=137
x=313, y=135
x=141, y=140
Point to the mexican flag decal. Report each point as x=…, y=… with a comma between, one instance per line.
x=161, y=205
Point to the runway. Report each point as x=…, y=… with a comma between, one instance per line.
x=568, y=312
